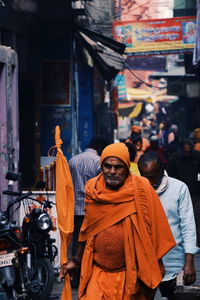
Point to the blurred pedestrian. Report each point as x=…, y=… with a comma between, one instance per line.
x=173, y=140
x=145, y=127
x=132, y=152
x=154, y=127
x=124, y=235
x=145, y=141
x=137, y=139
x=83, y=167
x=155, y=147
x=175, y=198
x=161, y=134
x=185, y=166
x=197, y=139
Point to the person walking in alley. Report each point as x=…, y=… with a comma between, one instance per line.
x=124, y=235
x=132, y=152
x=185, y=166
x=175, y=198
x=196, y=135
x=155, y=147
x=83, y=167
x=141, y=143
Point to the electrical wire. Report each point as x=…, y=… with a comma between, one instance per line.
x=130, y=10
x=90, y=16
x=23, y=15
x=132, y=72
x=136, y=76
x=114, y=18
x=181, y=77
x=126, y=65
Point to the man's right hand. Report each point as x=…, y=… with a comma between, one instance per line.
x=74, y=263
x=68, y=268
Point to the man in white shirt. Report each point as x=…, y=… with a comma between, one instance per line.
x=176, y=201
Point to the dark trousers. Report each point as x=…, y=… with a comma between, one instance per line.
x=196, y=207
x=168, y=289
x=78, y=220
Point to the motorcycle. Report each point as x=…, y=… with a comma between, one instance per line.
x=27, y=253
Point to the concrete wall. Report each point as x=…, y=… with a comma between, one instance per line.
x=9, y=138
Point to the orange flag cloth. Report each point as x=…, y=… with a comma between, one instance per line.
x=64, y=206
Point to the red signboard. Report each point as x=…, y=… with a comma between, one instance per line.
x=156, y=36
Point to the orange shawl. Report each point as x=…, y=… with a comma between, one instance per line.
x=147, y=235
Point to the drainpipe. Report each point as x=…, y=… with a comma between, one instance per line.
x=74, y=98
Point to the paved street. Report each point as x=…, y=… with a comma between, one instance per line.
x=186, y=293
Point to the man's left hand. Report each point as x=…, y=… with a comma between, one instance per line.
x=189, y=272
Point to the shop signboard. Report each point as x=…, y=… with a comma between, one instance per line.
x=120, y=82
x=156, y=36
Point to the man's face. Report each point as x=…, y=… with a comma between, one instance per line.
x=187, y=150
x=115, y=172
x=152, y=172
x=138, y=145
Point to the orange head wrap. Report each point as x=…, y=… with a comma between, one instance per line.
x=118, y=150
x=136, y=128
x=197, y=133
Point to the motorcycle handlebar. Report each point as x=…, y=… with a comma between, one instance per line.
x=20, y=198
x=46, y=203
x=11, y=193
x=24, y=196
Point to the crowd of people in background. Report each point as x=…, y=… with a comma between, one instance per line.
x=180, y=155
x=163, y=138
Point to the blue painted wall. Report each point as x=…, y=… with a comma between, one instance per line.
x=86, y=128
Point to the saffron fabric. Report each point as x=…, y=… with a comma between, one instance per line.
x=110, y=286
x=118, y=150
x=64, y=207
x=197, y=146
x=147, y=235
x=106, y=285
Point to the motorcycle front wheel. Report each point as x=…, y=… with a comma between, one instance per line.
x=45, y=276
x=9, y=294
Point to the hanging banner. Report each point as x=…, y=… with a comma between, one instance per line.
x=196, y=54
x=120, y=82
x=156, y=36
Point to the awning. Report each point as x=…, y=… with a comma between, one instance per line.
x=106, y=53
x=150, y=95
x=130, y=109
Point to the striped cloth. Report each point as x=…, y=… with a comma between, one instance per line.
x=83, y=167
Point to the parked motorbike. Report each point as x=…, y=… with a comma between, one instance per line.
x=27, y=253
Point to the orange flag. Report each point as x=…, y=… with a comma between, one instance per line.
x=64, y=206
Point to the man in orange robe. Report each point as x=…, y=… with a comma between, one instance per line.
x=124, y=234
